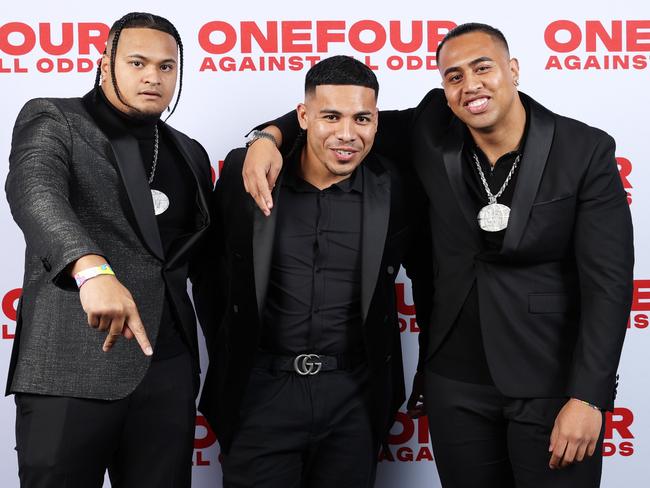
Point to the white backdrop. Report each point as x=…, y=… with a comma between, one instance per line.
x=245, y=63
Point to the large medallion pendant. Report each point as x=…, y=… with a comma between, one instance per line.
x=493, y=217
x=160, y=201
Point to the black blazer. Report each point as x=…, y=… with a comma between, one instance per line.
x=74, y=189
x=243, y=240
x=554, y=307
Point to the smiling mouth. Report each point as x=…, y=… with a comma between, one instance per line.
x=344, y=155
x=477, y=106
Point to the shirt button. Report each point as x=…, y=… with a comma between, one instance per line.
x=390, y=270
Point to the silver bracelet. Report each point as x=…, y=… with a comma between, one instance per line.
x=260, y=134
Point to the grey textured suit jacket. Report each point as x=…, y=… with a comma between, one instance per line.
x=73, y=190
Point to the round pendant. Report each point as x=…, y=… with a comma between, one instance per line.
x=493, y=217
x=160, y=201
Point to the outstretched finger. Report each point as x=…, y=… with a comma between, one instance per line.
x=137, y=328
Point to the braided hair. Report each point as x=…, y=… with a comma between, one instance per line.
x=147, y=21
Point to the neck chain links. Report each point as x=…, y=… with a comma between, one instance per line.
x=492, y=199
x=155, y=154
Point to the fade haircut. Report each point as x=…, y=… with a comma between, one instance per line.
x=141, y=20
x=470, y=27
x=340, y=70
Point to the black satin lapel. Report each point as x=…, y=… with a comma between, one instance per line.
x=202, y=198
x=193, y=163
x=376, y=213
x=538, y=145
x=452, y=156
x=263, y=238
x=127, y=155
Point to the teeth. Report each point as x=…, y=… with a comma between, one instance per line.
x=476, y=103
x=343, y=153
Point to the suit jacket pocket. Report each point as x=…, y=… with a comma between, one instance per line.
x=548, y=303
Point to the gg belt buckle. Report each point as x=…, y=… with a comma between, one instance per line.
x=307, y=364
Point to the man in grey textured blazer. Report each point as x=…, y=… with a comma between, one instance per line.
x=113, y=204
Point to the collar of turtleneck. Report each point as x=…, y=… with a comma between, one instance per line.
x=120, y=122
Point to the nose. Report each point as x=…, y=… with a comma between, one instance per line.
x=345, y=130
x=472, y=82
x=151, y=75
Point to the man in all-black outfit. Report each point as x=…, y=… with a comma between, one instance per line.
x=305, y=371
x=533, y=257
x=111, y=197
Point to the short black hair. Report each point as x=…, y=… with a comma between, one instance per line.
x=141, y=20
x=463, y=29
x=340, y=70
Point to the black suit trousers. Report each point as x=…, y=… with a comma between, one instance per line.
x=483, y=439
x=144, y=440
x=303, y=431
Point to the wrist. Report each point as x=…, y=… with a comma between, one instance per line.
x=260, y=134
x=93, y=272
x=591, y=405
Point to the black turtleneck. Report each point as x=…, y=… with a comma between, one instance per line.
x=174, y=178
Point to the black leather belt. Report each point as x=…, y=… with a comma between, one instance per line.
x=308, y=364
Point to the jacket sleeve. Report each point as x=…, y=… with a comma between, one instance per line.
x=39, y=188
x=419, y=264
x=604, y=255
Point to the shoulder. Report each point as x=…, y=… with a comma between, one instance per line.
x=234, y=163
x=433, y=109
x=572, y=129
x=56, y=108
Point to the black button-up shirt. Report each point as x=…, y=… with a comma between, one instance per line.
x=314, y=295
x=462, y=355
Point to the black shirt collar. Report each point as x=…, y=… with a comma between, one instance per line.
x=117, y=121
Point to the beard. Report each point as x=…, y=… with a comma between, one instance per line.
x=142, y=116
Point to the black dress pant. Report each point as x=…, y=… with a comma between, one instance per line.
x=144, y=440
x=482, y=439
x=303, y=431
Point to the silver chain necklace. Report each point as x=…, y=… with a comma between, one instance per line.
x=160, y=200
x=494, y=216
x=155, y=154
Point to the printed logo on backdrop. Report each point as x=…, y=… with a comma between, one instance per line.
x=205, y=439
x=49, y=47
x=619, y=437
x=296, y=45
x=406, y=311
x=9, y=312
x=625, y=169
x=408, y=440
x=598, y=45
x=639, y=318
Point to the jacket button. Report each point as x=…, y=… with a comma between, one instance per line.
x=235, y=308
x=390, y=270
x=388, y=358
x=237, y=256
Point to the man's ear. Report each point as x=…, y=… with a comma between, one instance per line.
x=301, y=112
x=514, y=69
x=105, y=67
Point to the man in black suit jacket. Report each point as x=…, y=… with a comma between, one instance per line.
x=305, y=371
x=533, y=257
x=108, y=194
